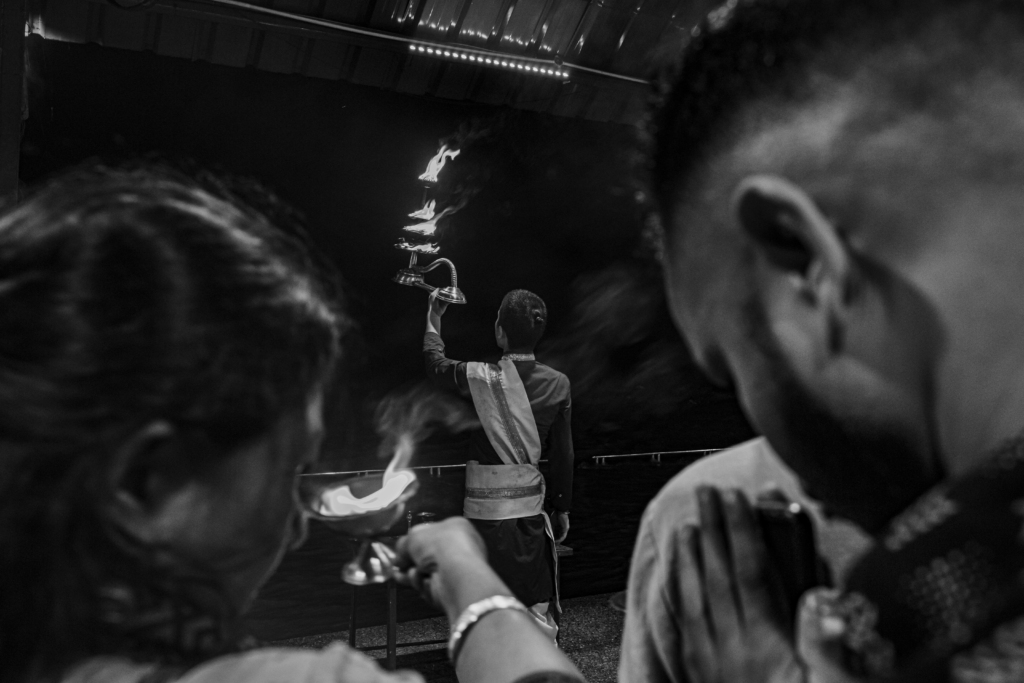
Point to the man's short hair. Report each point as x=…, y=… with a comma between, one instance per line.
x=748, y=51
x=524, y=316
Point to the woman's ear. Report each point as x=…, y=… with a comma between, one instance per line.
x=794, y=236
x=146, y=473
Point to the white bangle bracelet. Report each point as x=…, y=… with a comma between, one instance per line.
x=474, y=613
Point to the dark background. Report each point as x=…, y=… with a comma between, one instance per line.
x=551, y=208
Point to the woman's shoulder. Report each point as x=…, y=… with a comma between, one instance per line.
x=335, y=664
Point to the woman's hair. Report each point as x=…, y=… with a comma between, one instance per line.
x=129, y=295
x=524, y=316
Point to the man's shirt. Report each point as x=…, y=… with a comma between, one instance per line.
x=550, y=401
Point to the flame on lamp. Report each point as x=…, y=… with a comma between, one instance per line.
x=341, y=502
x=437, y=163
x=426, y=248
x=427, y=212
x=430, y=226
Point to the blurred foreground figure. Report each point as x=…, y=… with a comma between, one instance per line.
x=839, y=190
x=651, y=638
x=524, y=408
x=163, y=357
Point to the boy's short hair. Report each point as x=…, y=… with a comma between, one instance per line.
x=524, y=316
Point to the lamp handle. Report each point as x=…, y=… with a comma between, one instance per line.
x=435, y=264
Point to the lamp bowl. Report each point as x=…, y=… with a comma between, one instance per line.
x=409, y=277
x=314, y=487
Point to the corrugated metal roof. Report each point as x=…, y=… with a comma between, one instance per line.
x=613, y=35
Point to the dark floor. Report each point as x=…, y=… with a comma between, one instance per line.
x=591, y=632
x=306, y=596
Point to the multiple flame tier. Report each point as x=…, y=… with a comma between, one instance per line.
x=420, y=237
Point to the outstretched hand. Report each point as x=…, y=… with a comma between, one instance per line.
x=447, y=562
x=732, y=627
x=437, y=307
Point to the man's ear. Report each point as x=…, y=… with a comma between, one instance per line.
x=795, y=236
x=145, y=476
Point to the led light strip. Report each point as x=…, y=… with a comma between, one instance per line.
x=490, y=59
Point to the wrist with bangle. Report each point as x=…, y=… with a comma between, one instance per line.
x=473, y=614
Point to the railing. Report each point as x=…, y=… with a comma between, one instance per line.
x=438, y=470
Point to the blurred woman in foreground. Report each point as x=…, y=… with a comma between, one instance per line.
x=164, y=350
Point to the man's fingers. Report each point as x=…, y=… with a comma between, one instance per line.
x=406, y=577
x=820, y=630
x=818, y=620
x=749, y=558
x=699, y=656
x=414, y=549
x=417, y=580
x=404, y=556
x=718, y=582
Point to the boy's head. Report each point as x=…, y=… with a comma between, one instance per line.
x=522, y=318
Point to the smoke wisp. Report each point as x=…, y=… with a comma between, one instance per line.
x=404, y=419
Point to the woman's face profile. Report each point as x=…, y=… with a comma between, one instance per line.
x=243, y=512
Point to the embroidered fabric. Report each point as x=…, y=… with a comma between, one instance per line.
x=505, y=412
x=999, y=659
x=507, y=492
x=940, y=597
x=507, y=422
x=519, y=356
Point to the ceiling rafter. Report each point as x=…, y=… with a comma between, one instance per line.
x=361, y=50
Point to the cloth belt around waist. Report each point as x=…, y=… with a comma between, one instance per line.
x=497, y=492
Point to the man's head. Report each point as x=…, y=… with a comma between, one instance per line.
x=522, y=318
x=839, y=188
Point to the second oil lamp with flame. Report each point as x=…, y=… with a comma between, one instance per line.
x=365, y=508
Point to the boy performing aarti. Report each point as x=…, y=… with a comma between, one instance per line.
x=524, y=408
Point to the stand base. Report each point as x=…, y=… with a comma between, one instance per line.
x=373, y=564
x=452, y=295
